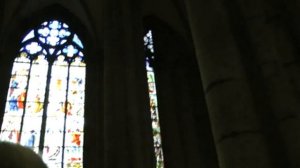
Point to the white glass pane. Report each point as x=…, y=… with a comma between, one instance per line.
x=36, y=90
x=52, y=155
x=33, y=48
x=10, y=129
x=55, y=24
x=31, y=131
x=75, y=125
x=73, y=157
x=20, y=69
x=58, y=83
x=54, y=131
x=44, y=32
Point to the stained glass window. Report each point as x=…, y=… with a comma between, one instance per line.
x=149, y=49
x=45, y=101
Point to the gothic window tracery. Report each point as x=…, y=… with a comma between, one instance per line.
x=45, y=101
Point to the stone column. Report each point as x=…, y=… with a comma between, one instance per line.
x=5, y=63
x=291, y=23
x=2, y=4
x=2, y=8
x=186, y=134
x=235, y=124
x=275, y=55
x=127, y=123
x=93, y=155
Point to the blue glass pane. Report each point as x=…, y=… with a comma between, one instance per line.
x=70, y=50
x=30, y=35
x=77, y=41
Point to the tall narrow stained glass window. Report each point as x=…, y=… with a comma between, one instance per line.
x=149, y=50
x=45, y=101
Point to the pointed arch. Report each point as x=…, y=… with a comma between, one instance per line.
x=46, y=95
x=157, y=140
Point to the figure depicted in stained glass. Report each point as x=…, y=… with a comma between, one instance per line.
x=76, y=138
x=38, y=105
x=31, y=139
x=66, y=107
x=46, y=89
x=13, y=104
x=21, y=99
x=13, y=85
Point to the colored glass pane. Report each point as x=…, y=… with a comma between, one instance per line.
x=45, y=101
x=149, y=49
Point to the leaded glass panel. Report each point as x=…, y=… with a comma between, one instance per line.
x=45, y=101
x=149, y=49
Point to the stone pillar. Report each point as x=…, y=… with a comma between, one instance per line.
x=2, y=4
x=128, y=139
x=2, y=8
x=93, y=155
x=186, y=134
x=291, y=22
x=5, y=63
x=235, y=124
x=275, y=55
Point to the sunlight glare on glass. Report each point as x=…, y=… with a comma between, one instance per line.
x=33, y=48
x=44, y=32
x=54, y=24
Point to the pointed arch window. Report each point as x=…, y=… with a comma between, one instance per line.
x=45, y=101
x=149, y=50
